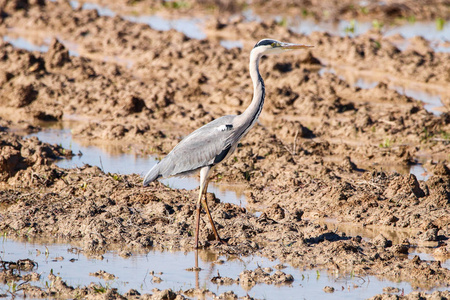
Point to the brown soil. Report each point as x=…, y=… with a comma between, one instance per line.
x=323, y=148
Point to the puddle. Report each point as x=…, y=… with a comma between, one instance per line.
x=427, y=30
x=111, y=159
x=192, y=27
x=22, y=43
x=420, y=172
x=429, y=257
x=101, y=10
x=231, y=44
x=432, y=102
x=133, y=272
x=396, y=235
x=189, y=26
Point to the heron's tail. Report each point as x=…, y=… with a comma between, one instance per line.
x=152, y=175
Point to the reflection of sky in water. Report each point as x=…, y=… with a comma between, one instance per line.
x=420, y=172
x=102, y=10
x=429, y=257
x=427, y=30
x=22, y=43
x=306, y=26
x=126, y=163
x=133, y=272
x=431, y=101
x=231, y=44
x=190, y=27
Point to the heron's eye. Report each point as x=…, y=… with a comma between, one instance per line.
x=275, y=44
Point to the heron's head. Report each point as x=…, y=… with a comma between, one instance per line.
x=268, y=46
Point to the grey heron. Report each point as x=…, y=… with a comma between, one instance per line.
x=212, y=143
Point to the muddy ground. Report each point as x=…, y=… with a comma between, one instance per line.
x=324, y=148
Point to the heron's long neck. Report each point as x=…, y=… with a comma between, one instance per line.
x=251, y=114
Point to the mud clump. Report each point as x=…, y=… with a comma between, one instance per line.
x=21, y=95
x=249, y=278
x=18, y=155
x=57, y=55
x=104, y=275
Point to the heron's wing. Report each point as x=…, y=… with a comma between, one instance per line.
x=207, y=145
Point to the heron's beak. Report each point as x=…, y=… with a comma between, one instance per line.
x=294, y=46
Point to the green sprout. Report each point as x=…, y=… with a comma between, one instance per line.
x=351, y=27
x=440, y=24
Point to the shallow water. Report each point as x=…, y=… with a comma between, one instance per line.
x=427, y=30
x=420, y=172
x=432, y=101
x=102, y=10
x=193, y=28
x=396, y=235
x=231, y=44
x=22, y=43
x=133, y=272
x=428, y=257
x=112, y=160
x=189, y=26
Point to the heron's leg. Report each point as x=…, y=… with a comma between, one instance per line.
x=205, y=204
x=199, y=207
x=204, y=172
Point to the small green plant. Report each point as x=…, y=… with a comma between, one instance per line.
x=426, y=135
x=304, y=12
x=115, y=177
x=440, y=24
x=377, y=44
x=283, y=22
x=411, y=19
x=100, y=289
x=12, y=287
x=351, y=27
x=364, y=10
x=318, y=274
x=176, y=4
x=386, y=144
x=378, y=25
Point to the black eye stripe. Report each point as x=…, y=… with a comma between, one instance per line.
x=265, y=43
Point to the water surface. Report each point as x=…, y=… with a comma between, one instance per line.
x=171, y=267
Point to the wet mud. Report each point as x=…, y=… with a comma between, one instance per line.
x=324, y=148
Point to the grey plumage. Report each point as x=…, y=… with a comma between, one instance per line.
x=217, y=140
x=203, y=147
